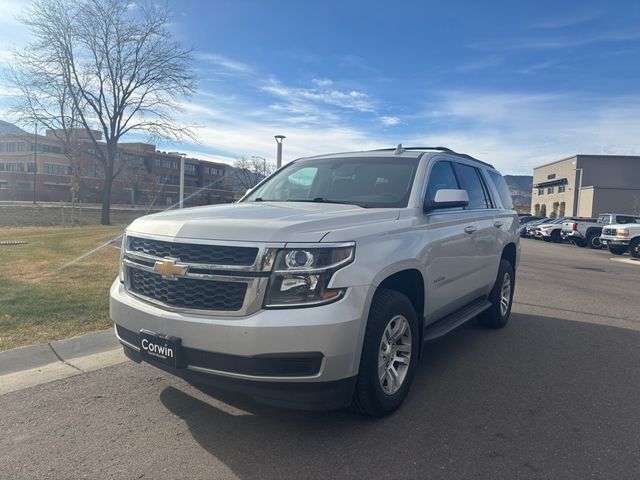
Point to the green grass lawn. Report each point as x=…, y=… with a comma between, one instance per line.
x=48, y=290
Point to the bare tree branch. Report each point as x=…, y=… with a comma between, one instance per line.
x=105, y=65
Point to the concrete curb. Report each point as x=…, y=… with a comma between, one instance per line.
x=36, y=364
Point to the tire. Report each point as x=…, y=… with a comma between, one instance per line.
x=498, y=314
x=634, y=248
x=593, y=241
x=555, y=236
x=578, y=242
x=546, y=239
x=375, y=396
x=617, y=250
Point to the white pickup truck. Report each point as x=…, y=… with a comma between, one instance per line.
x=620, y=238
x=586, y=232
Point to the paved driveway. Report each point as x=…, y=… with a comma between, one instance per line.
x=554, y=395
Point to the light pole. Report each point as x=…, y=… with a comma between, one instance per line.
x=35, y=162
x=279, y=139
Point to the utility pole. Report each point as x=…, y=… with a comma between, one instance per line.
x=35, y=162
x=279, y=139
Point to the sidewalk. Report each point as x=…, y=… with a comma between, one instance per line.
x=36, y=364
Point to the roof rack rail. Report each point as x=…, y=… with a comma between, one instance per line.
x=441, y=149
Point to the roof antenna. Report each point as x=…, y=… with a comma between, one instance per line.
x=399, y=150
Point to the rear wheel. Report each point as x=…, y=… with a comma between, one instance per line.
x=578, y=242
x=501, y=298
x=617, y=250
x=593, y=241
x=634, y=247
x=555, y=236
x=389, y=354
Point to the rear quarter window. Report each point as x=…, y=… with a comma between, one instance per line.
x=502, y=188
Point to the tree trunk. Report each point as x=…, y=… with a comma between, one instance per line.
x=105, y=218
x=108, y=183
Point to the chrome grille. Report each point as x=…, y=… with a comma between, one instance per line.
x=188, y=292
x=194, y=252
x=609, y=231
x=201, y=277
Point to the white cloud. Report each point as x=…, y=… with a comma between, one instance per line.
x=517, y=131
x=224, y=62
x=322, y=82
x=307, y=98
x=390, y=121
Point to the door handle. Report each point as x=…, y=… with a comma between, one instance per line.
x=470, y=229
x=498, y=223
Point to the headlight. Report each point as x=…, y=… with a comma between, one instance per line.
x=122, y=248
x=301, y=275
x=622, y=232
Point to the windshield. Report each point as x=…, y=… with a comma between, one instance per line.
x=367, y=182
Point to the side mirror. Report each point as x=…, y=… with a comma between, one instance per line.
x=447, y=198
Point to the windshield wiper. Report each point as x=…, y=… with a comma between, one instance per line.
x=321, y=200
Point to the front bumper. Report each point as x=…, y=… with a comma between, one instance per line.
x=614, y=241
x=228, y=352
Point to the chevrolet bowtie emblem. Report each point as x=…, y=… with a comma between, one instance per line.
x=168, y=269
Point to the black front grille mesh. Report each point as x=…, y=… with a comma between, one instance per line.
x=188, y=292
x=195, y=253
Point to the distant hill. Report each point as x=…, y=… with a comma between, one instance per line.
x=520, y=188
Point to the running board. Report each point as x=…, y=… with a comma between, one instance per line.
x=455, y=319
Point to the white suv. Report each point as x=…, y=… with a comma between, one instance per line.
x=321, y=286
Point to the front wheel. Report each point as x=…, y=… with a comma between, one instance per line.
x=617, y=250
x=501, y=298
x=593, y=241
x=389, y=354
x=634, y=248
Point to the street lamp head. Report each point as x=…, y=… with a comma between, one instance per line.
x=279, y=138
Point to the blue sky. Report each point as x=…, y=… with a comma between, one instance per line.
x=514, y=83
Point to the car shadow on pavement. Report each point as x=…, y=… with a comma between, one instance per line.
x=542, y=398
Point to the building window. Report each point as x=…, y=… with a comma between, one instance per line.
x=556, y=206
x=55, y=169
x=191, y=169
x=95, y=171
x=4, y=184
x=562, y=188
x=536, y=210
x=563, y=207
x=549, y=190
x=543, y=210
x=551, y=176
x=12, y=167
x=541, y=191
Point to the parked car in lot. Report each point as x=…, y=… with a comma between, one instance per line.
x=570, y=230
x=586, y=232
x=550, y=232
x=523, y=229
x=536, y=230
x=622, y=237
x=318, y=289
x=524, y=219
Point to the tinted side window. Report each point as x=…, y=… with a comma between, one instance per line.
x=470, y=181
x=502, y=188
x=441, y=177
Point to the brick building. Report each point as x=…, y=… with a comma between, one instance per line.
x=59, y=170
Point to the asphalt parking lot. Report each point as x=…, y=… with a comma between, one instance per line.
x=553, y=395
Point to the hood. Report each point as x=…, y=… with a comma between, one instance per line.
x=279, y=222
